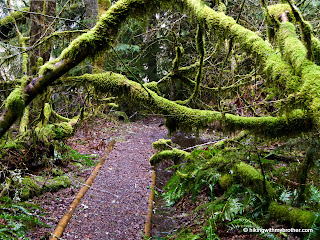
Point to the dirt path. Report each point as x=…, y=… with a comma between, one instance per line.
x=115, y=207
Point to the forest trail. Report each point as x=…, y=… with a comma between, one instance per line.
x=115, y=206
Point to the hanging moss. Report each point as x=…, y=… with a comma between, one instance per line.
x=295, y=216
x=16, y=101
x=177, y=60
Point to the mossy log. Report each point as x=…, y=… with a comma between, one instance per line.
x=296, y=217
x=175, y=155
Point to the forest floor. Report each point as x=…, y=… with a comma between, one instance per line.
x=115, y=207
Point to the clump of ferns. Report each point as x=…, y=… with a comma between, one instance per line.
x=17, y=218
x=191, y=177
x=202, y=170
x=236, y=204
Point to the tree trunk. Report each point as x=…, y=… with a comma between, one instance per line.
x=40, y=27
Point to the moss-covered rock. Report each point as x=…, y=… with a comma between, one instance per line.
x=57, y=183
x=29, y=188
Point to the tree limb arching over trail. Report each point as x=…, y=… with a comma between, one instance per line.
x=289, y=63
x=304, y=86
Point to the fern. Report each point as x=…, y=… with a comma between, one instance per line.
x=315, y=234
x=286, y=196
x=18, y=219
x=314, y=194
x=242, y=223
x=210, y=229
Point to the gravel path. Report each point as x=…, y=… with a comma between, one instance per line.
x=115, y=206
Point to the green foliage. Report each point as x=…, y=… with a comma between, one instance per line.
x=17, y=219
x=71, y=155
x=241, y=223
x=190, y=179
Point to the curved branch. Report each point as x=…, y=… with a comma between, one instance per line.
x=188, y=119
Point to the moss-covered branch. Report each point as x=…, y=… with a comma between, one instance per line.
x=296, y=53
x=188, y=119
x=7, y=23
x=105, y=32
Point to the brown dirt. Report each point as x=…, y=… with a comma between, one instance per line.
x=115, y=206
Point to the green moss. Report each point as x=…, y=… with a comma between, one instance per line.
x=316, y=50
x=16, y=101
x=295, y=216
x=152, y=86
x=275, y=11
x=162, y=144
x=175, y=155
x=293, y=49
x=189, y=119
x=57, y=183
x=104, y=4
x=177, y=59
x=57, y=172
x=252, y=177
x=121, y=115
x=10, y=19
x=226, y=180
x=39, y=63
x=113, y=105
x=29, y=188
x=47, y=110
x=54, y=131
